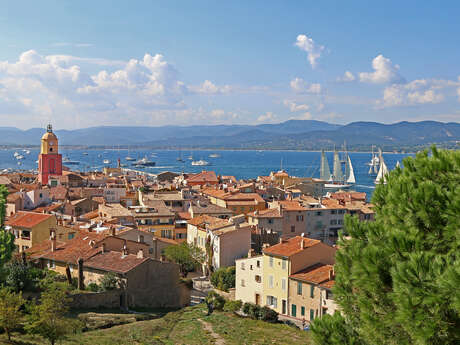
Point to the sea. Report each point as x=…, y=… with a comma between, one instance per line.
x=243, y=164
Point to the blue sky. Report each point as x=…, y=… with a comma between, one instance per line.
x=88, y=63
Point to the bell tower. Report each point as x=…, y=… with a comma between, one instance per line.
x=49, y=160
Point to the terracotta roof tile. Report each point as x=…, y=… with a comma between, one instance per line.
x=291, y=246
x=204, y=176
x=27, y=219
x=318, y=273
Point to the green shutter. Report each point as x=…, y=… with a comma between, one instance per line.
x=299, y=288
x=302, y=311
x=294, y=310
x=312, y=291
x=312, y=314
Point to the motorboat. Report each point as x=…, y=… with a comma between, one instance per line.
x=144, y=162
x=68, y=161
x=106, y=161
x=130, y=159
x=214, y=155
x=201, y=162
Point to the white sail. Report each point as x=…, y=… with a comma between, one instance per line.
x=398, y=165
x=383, y=170
x=338, y=176
x=375, y=165
x=325, y=172
x=370, y=169
x=351, y=176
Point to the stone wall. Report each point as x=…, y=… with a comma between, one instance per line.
x=95, y=300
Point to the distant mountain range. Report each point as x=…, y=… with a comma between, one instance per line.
x=293, y=134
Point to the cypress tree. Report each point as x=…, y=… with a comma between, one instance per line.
x=398, y=278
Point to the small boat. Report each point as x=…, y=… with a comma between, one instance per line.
x=130, y=159
x=144, y=162
x=179, y=159
x=106, y=161
x=68, y=161
x=27, y=152
x=201, y=162
x=85, y=153
x=16, y=154
x=19, y=157
x=214, y=155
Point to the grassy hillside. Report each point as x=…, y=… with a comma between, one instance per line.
x=187, y=326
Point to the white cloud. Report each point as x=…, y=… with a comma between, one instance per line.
x=68, y=44
x=208, y=87
x=305, y=116
x=313, y=50
x=421, y=91
x=294, y=107
x=348, y=76
x=299, y=85
x=268, y=117
x=384, y=72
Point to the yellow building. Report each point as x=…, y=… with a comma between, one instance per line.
x=286, y=258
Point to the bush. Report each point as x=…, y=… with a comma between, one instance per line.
x=224, y=278
x=93, y=287
x=18, y=276
x=255, y=311
x=233, y=306
x=268, y=314
x=247, y=308
x=109, y=281
x=50, y=278
x=217, y=300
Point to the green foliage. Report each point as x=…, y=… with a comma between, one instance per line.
x=51, y=278
x=216, y=300
x=109, y=282
x=48, y=318
x=187, y=256
x=332, y=330
x=7, y=245
x=233, y=306
x=255, y=311
x=268, y=314
x=397, y=278
x=93, y=287
x=246, y=308
x=18, y=277
x=10, y=310
x=188, y=282
x=224, y=278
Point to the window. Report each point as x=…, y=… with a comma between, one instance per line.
x=242, y=265
x=294, y=310
x=258, y=263
x=272, y=301
x=292, y=228
x=302, y=311
x=270, y=261
x=340, y=221
x=312, y=314
x=299, y=288
x=299, y=218
x=333, y=221
x=270, y=221
x=333, y=211
x=283, y=284
x=51, y=264
x=270, y=282
x=250, y=267
x=70, y=236
x=319, y=213
x=258, y=279
x=283, y=264
x=312, y=291
x=150, y=250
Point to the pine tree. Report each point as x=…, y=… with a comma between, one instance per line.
x=10, y=310
x=398, y=278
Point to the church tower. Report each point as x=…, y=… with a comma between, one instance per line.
x=49, y=160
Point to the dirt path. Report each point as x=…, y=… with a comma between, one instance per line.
x=207, y=326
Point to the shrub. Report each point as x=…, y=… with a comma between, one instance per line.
x=92, y=287
x=255, y=311
x=217, y=300
x=109, y=281
x=18, y=276
x=224, y=278
x=233, y=306
x=268, y=314
x=247, y=308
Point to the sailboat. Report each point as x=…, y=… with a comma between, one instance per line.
x=337, y=180
x=383, y=170
x=374, y=163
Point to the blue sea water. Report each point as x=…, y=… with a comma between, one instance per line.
x=241, y=164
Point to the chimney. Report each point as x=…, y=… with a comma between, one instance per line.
x=331, y=273
x=53, y=240
x=125, y=250
x=140, y=254
x=103, y=248
x=301, y=243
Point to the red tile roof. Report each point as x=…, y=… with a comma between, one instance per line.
x=291, y=205
x=268, y=213
x=27, y=219
x=291, y=246
x=318, y=273
x=204, y=176
x=114, y=262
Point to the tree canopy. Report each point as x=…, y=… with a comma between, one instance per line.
x=187, y=256
x=7, y=245
x=397, y=278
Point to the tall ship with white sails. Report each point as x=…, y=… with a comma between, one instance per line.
x=374, y=163
x=338, y=179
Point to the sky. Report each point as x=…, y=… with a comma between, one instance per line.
x=81, y=64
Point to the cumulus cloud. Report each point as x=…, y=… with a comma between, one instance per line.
x=305, y=116
x=299, y=85
x=268, y=117
x=294, y=107
x=209, y=88
x=348, y=76
x=421, y=91
x=313, y=50
x=384, y=72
